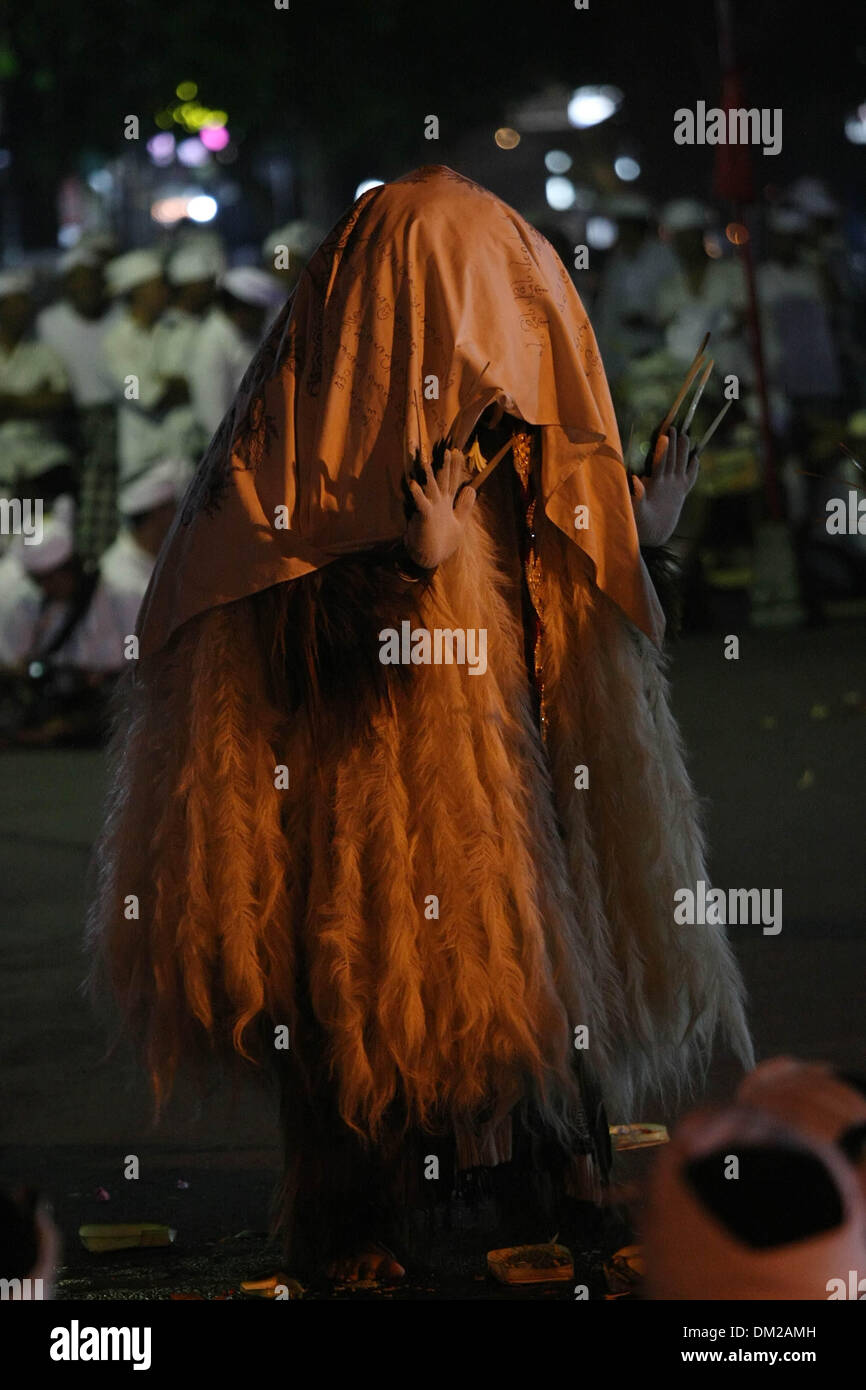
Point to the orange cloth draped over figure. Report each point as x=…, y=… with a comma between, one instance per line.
x=420, y=285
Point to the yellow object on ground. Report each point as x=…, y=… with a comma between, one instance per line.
x=130, y=1235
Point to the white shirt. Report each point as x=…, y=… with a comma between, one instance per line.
x=630, y=285
x=222, y=356
x=79, y=343
x=716, y=308
x=98, y=642
x=146, y=434
x=126, y=568
x=179, y=332
x=29, y=447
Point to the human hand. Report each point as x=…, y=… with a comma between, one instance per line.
x=658, y=499
x=437, y=527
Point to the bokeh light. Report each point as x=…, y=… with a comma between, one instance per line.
x=557, y=162
x=626, y=168
x=202, y=208
x=590, y=106
x=506, y=138
x=101, y=180
x=161, y=148
x=560, y=193
x=168, y=210
x=192, y=153
x=601, y=233
x=737, y=233
x=214, y=137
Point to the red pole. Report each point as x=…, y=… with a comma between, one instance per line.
x=733, y=180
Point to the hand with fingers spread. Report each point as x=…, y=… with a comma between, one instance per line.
x=658, y=499
x=437, y=527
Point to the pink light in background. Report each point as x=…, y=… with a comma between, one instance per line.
x=214, y=137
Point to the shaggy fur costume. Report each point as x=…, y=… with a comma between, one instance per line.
x=306, y=906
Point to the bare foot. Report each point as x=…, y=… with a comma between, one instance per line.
x=372, y=1261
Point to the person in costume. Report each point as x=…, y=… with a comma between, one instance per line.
x=435, y=901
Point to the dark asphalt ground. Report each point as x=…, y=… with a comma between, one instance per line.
x=776, y=743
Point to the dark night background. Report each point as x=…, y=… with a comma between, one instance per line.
x=342, y=89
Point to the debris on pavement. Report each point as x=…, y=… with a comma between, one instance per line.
x=531, y=1264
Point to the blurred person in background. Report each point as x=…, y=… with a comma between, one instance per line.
x=625, y=316
x=75, y=328
x=45, y=607
x=824, y=242
x=801, y=353
x=192, y=273
x=804, y=368
x=228, y=339
x=702, y=294
x=287, y=249
x=35, y=460
x=826, y=248
x=147, y=507
x=192, y=276
x=707, y=293
x=155, y=418
x=65, y=630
